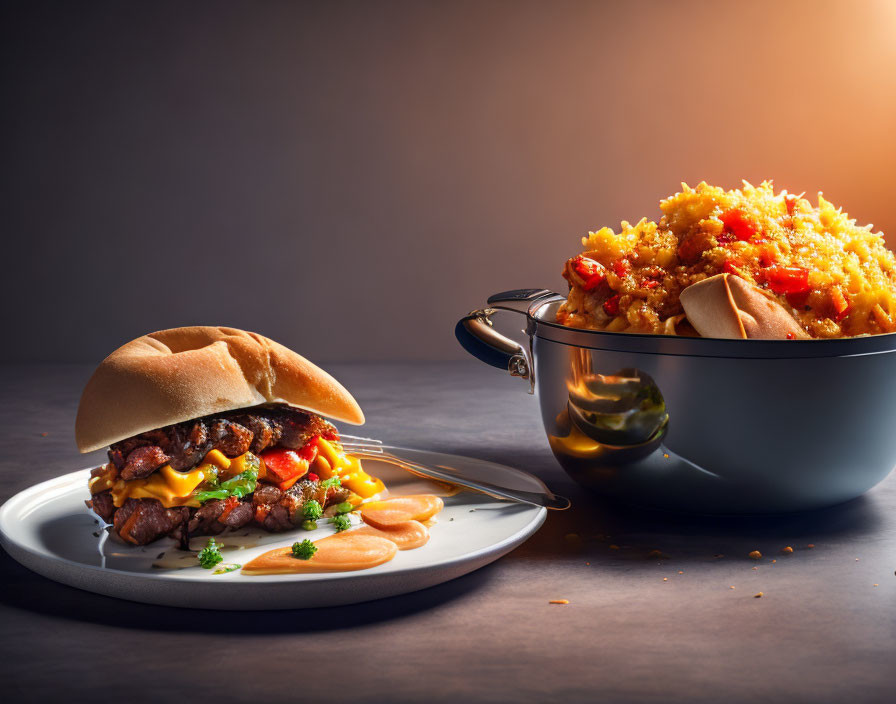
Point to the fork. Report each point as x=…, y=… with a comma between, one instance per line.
x=370, y=448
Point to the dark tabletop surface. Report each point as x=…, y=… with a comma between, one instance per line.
x=637, y=628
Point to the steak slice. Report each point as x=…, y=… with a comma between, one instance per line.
x=102, y=505
x=233, y=433
x=143, y=461
x=294, y=506
x=141, y=521
x=188, y=444
x=239, y=516
x=278, y=519
x=298, y=428
x=229, y=437
x=262, y=429
x=205, y=520
x=266, y=494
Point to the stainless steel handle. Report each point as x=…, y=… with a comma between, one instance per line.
x=476, y=334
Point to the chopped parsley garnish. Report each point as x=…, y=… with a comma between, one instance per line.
x=312, y=510
x=224, y=569
x=210, y=555
x=304, y=550
x=342, y=522
x=331, y=483
x=239, y=486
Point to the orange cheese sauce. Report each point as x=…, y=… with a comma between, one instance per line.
x=416, y=507
x=406, y=536
x=399, y=528
x=337, y=553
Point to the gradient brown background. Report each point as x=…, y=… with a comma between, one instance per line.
x=349, y=178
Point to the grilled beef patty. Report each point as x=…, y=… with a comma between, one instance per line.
x=141, y=521
x=183, y=445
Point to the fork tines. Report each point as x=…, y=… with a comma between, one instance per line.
x=353, y=443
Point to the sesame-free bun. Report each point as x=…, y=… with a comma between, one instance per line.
x=176, y=375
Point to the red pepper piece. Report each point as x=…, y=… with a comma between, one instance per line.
x=840, y=304
x=652, y=277
x=798, y=300
x=592, y=273
x=738, y=224
x=789, y=336
x=621, y=267
x=611, y=305
x=309, y=451
x=787, y=279
x=726, y=238
x=286, y=467
x=312, y=477
x=283, y=463
x=732, y=267
x=768, y=255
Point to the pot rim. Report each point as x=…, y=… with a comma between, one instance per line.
x=645, y=343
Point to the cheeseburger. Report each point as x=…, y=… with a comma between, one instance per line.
x=212, y=429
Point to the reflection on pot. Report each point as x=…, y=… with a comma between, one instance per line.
x=616, y=417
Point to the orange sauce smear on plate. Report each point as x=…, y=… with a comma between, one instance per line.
x=391, y=525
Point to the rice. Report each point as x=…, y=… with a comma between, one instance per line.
x=837, y=279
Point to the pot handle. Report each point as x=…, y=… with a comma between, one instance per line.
x=476, y=334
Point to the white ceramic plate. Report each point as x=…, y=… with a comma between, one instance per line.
x=48, y=529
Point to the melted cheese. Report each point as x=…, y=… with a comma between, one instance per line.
x=331, y=461
x=103, y=481
x=175, y=488
x=219, y=459
x=169, y=486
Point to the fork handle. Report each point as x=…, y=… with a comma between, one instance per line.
x=547, y=500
